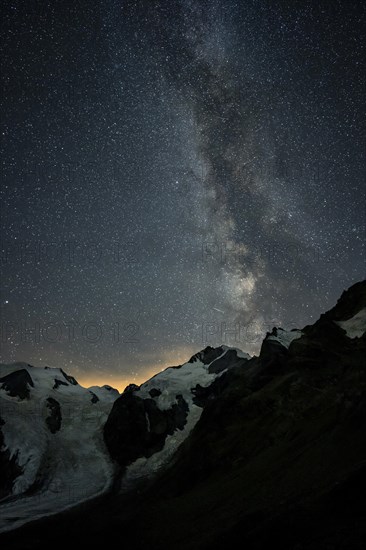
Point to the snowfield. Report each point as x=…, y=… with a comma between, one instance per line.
x=53, y=427
x=66, y=467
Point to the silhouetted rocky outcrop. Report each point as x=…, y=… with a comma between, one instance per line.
x=136, y=427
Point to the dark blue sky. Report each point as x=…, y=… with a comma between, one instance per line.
x=176, y=174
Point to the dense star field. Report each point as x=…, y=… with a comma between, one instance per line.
x=175, y=174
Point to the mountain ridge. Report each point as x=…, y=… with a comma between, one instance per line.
x=277, y=454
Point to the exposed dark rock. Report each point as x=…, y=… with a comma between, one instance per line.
x=202, y=395
x=154, y=392
x=272, y=353
x=111, y=390
x=9, y=468
x=227, y=361
x=94, y=398
x=136, y=427
x=207, y=355
x=59, y=383
x=178, y=414
x=159, y=424
x=158, y=420
x=126, y=428
x=350, y=303
x=17, y=383
x=69, y=378
x=130, y=388
x=54, y=419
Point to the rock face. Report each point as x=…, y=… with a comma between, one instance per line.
x=69, y=378
x=138, y=428
x=207, y=355
x=9, y=469
x=227, y=361
x=131, y=388
x=53, y=421
x=154, y=392
x=59, y=383
x=94, y=398
x=17, y=383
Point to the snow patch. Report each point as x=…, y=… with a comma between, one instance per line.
x=356, y=326
x=285, y=337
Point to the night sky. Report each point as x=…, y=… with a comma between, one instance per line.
x=175, y=174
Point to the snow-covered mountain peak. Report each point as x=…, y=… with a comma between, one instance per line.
x=201, y=369
x=51, y=439
x=163, y=411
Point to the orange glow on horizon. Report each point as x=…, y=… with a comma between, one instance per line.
x=116, y=376
x=120, y=381
x=115, y=381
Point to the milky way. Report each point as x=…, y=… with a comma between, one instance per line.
x=176, y=174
